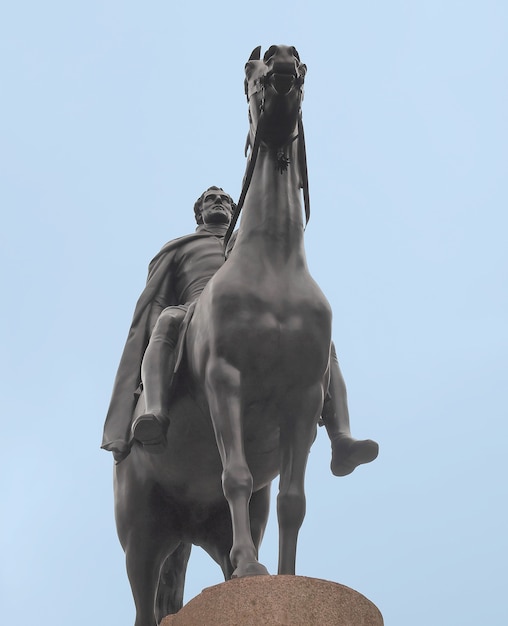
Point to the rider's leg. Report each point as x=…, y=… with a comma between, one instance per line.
x=347, y=452
x=157, y=370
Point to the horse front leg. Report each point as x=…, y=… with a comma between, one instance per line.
x=223, y=393
x=298, y=430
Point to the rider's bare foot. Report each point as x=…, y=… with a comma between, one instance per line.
x=150, y=430
x=348, y=453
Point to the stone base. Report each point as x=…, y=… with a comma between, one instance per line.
x=277, y=601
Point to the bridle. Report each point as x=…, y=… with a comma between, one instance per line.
x=283, y=162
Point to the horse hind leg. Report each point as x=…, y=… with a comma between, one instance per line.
x=172, y=582
x=145, y=564
x=259, y=510
x=296, y=437
x=143, y=567
x=146, y=537
x=217, y=544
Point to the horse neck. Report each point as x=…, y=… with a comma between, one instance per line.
x=272, y=222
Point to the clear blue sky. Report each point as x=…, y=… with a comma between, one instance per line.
x=114, y=117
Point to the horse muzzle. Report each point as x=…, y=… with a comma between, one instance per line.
x=283, y=77
x=282, y=83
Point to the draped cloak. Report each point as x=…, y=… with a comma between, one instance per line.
x=117, y=435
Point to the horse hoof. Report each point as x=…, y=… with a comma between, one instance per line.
x=253, y=568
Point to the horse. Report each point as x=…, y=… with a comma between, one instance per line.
x=252, y=381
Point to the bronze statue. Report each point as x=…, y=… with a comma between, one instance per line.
x=237, y=359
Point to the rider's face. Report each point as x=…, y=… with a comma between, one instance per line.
x=216, y=207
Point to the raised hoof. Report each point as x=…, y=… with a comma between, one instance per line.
x=150, y=430
x=349, y=453
x=252, y=568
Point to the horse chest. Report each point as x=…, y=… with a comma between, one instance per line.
x=263, y=333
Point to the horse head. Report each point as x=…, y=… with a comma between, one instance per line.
x=274, y=90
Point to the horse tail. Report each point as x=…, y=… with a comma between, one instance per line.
x=169, y=598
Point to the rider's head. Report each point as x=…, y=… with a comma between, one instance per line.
x=214, y=206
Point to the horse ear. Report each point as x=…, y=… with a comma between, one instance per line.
x=256, y=54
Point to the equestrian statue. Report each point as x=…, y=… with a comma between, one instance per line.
x=228, y=368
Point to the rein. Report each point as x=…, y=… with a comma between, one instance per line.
x=246, y=184
x=302, y=162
